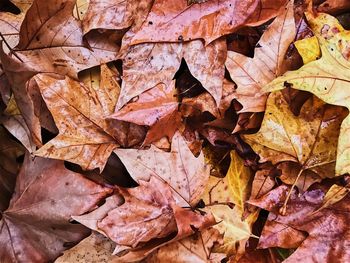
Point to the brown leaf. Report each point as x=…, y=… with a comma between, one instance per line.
x=196, y=248
x=46, y=46
x=251, y=74
x=183, y=172
x=157, y=63
x=327, y=229
x=85, y=137
x=262, y=183
x=36, y=228
x=176, y=21
x=157, y=108
x=94, y=248
x=122, y=220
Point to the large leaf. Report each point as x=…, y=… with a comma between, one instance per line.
x=176, y=21
x=309, y=139
x=158, y=63
x=328, y=78
x=183, y=172
x=36, y=227
x=132, y=217
x=225, y=197
x=251, y=74
x=85, y=137
x=328, y=231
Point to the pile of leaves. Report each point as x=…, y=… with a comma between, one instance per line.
x=174, y=131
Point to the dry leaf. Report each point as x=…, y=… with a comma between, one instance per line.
x=327, y=77
x=251, y=74
x=176, y=21
x=183, y=172
x=308, y=139
x=36, y=227
x=327, y=229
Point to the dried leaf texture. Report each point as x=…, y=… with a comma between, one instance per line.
x=176, y=21
x=180, y=169
x=85, y=137
x=36, y=227
x=309, y=139
x=157, y=63
x=251, y=74
x=328, y=232
x=327, y=78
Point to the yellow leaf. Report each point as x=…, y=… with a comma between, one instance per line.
x=308, y=48
x=238, y=177
x=225, y=197
x=328, y=78
x=309, y=139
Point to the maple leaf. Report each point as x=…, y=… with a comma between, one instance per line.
x=327, y=78
x=176, y=21
x=51, y=40
x=158, y=63
x=251, y=74
x=327, y=228
x=183, y=172
x=225, y=197
x=85, y=137
x=309, y=139
x=36, y=227
x=123, y=221
x=157, y=108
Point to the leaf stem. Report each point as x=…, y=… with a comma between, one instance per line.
x=283, y=209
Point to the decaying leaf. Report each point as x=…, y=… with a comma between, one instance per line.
x=225, y=197
x=133, y=217
x=328, y=232
x=176, y=21
x=251, y=74
x=327, y=78
x=309, y=139
x=85, y=137
x=36, y=227
x=180, y=169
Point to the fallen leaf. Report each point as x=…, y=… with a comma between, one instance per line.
x=308, y=139
x=85, y=137
x=196, y=248
x=180, y=169
x=122, y=220
x=327, y=229
x=224, y=197
x=177, y=22
x=94, y=248
x=251, y=74
x=308, y=49
x=158, y=63
x=327, y=77
x=157, y=108
x=36, y=227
